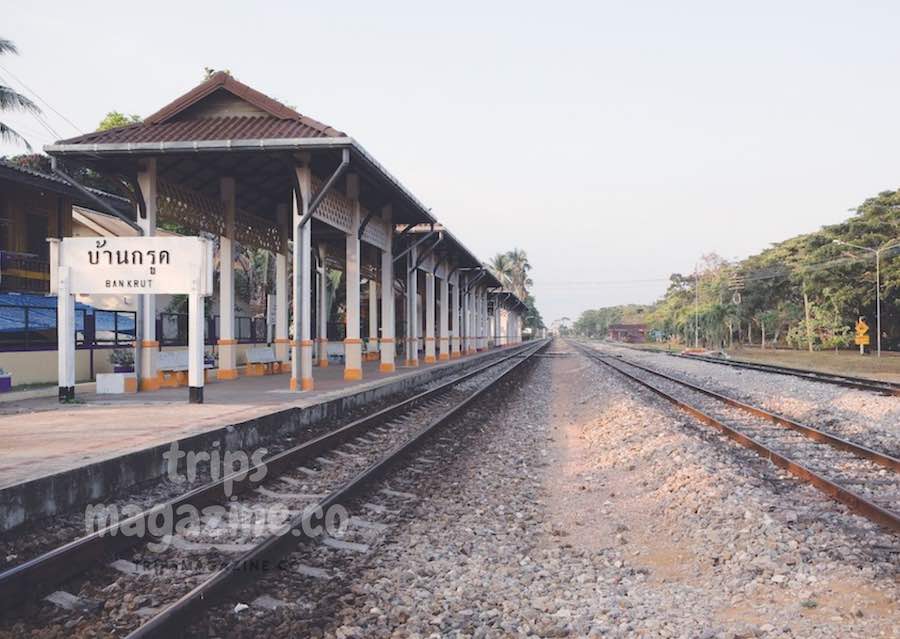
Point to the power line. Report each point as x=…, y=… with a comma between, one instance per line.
x=37, y=116
x=35, y=94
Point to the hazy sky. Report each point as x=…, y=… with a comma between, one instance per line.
x=614, y=142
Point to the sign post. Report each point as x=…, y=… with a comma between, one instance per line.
x=862, y=335
x=65, y=327
x=131, y=265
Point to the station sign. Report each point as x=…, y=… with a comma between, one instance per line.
x=136, y=265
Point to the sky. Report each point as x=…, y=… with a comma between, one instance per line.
x=614, y=142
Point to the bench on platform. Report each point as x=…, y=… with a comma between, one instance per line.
x=173, y=368
x=261, y=361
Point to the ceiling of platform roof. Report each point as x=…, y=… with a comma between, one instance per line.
x=211, y=131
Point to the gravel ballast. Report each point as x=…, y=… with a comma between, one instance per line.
x=589, y=508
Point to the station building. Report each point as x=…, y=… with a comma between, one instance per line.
x=363, y=272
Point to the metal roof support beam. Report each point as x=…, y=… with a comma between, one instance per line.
x=414, y=245
x=364, y=224
x=429, y=250
x=400, y=235
x=475, y=280
x=318, y=197
x=103, y=206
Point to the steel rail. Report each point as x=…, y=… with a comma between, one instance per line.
x=859, y=383
x=175, y=617
x=853, y=501
x=859, y=450
x=40, y=574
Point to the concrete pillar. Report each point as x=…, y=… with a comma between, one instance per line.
x=227, y=343
x=467, y=319
x=148, y=343
x=473, y=312
x=497, y=339
x=454, y=320
x=196, y=371
x=372, y=346
x=482, y=335
x=282, y=343
x=430, y=357
x=488, y=322
x=388, y=346
x=301, y=347
x=322, y=308
x=65, y=332
x=412, y=313
x=352, y=342
x=443, y=324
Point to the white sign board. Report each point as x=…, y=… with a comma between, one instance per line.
x=142, y=265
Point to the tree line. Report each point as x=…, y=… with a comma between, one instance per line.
x=805, y=292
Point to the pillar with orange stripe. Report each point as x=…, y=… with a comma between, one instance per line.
x=387, y=346
x=227, y=343
x=353, y=343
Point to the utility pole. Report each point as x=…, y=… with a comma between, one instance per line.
x=696, y=306
x=877, y=252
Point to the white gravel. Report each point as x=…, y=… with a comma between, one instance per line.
x=589, y=508
x=861, y=416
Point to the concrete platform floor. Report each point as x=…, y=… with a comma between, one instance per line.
x=40, y=437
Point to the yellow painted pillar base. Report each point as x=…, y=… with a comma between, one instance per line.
x=150, y=384
x=430, y=359
x=455, y=355
x=412, y=362
x=444, y=357
x=305, y=384
x=386, y=367
x=352, y=374
x=323, y=353
x=226, y=373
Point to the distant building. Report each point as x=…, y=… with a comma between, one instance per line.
x=630, y=333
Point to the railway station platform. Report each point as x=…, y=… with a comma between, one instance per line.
x=58, y=455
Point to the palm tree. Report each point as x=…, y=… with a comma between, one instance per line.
x=519, y=267
x=501, y=267
x=11, y=100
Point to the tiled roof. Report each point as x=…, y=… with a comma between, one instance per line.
x=246, y=127
x=173, y=123
x=39, y=178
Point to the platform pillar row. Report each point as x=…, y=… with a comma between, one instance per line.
x=301, y=346
x=454, y=318
x=412, y=313
x=443, y=328
x=430, y=355
x=372, y=345
x=388, y=346
x=227, y=343
x=282, y=343
x=147, y=341
x=322, y=309
x=352, y=342
x=497, y=341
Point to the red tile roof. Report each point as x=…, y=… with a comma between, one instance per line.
x=277, y=120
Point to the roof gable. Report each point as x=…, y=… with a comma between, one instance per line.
x=217, y=88
x=220, y=108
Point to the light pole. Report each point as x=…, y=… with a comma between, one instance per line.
x=877, y=252
x=696, y=306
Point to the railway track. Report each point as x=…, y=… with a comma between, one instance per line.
x=863, y=479
x=266, y=513
x=860, y=383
